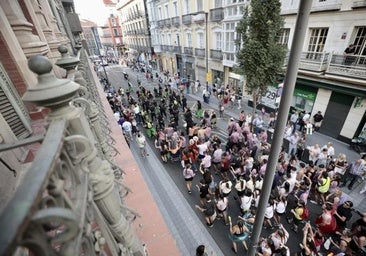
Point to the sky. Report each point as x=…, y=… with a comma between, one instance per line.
x=93, y=10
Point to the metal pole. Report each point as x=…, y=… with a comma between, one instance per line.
x=288, y=90
x=206, y=19
x=105, y=73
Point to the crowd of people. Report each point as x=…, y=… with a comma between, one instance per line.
x=231, y=172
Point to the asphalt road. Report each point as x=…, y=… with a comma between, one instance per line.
x=219, y=232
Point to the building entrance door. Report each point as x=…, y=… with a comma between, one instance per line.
x=336, y=113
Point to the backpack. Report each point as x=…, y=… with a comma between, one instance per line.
x=305, y=213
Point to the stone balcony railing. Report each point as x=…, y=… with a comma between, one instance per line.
x=336, y=65
x=70, y=201
x=176, y=21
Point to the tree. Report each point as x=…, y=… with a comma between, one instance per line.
x=261, y=56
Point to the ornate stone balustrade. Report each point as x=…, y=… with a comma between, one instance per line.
x=69, y=203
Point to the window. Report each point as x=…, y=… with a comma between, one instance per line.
x=360, y=41
x=199, y=5
x=160, y=13
x=115, y=32
x=186, y=6
x=175, y=8
x=283, y=36
x=201, y=40
x=169, y=37
x=166, y=11
x=232, y=11
x=189, y=39
x=218, y=40
x=218, y=3
x=317, y=39
x=229, y=44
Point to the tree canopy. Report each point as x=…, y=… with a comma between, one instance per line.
x=260, y=57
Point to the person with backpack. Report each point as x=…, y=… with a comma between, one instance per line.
x=300, y=213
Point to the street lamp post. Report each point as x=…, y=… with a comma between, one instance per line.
x=105, y=72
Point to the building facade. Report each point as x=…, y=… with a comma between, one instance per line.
x=135, y=29
x=328, y=80
x=186, y=37
x=111, y=38
x=91, y=37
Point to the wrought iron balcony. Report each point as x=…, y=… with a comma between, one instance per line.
x=165, y=47
x=69, y=201
x=188, y=50
x=161, y=23
x=200, y=52
x=167, y=22
x=177, y=49
x=187, y=19
x=217, y=14
x=176, y=21
x=358, y=4
x=216, y=54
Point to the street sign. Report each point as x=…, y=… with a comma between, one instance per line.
x=209, y=77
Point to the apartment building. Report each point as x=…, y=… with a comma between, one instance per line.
x=91, y=36
x=135, y=29
x=187, y=37
x=111, y=37
x=328, y=80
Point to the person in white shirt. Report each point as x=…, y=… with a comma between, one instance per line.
x=330, y=149
x=141, y=143
x=292, y=147
x=127, y=129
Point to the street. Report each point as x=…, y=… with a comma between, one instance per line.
x=164, y=193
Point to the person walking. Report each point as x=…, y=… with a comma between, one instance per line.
x=188, y=175
x=209, y=210
x=141, y=143
x=238, y=233
x=292, y=147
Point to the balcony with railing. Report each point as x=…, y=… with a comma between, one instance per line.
x=188, y=50
x=200, y=52
x=216, y=54
x=165, y=47
x=339, y=66
x=217, y=14
x=358, y=4
x=351, y=66
x=161, y=23
x=329, y=5
x=176, y=21
x=168, y=22
x=70, y=199
x=187, y=19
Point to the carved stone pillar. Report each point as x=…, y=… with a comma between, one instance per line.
x=56, y=94
x=30, y=43
x=61, y=32
x=49, y=27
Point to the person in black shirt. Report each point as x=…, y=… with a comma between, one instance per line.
x=349, y=52
x=343, y=214
x=318, y=118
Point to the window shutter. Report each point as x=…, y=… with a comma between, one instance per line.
x=12, y=108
